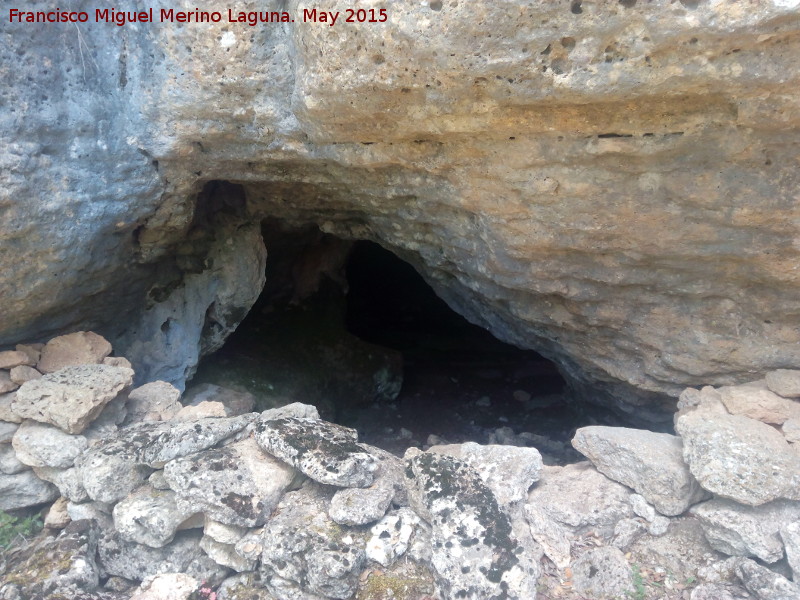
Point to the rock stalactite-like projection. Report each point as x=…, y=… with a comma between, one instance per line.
x=153, y=496
x=613, y=184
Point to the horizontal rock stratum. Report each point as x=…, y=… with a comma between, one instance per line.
x=614, y=184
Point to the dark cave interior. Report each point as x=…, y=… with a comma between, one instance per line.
x=355, y=330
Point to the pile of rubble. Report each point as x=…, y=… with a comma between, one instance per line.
x=158, y=497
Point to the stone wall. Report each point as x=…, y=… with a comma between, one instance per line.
x=613, y=184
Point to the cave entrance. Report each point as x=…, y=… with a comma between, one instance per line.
x=355, y=330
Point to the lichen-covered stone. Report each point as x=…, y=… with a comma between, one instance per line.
x=475, y=552
x=391, y=536
x=237, y=484
x=323, y=451
x=72, y=397
x=304, y=550
x=149, y=516
x=167, y=586
x=226, y=555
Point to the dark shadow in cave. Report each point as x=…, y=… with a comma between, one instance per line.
x=356, y=331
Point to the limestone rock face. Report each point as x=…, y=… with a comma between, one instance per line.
x=613, y=185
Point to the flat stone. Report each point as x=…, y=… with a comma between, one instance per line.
x=581, y=498
x=465, y=515
x=602, y=573
x=167, y=586
x=23, y=374
x=41, y=445
x=79, y=348
x=233, y=402
x=304, y=550
x=199, y=411
x=765, y=584
x=755, y=401
x=72, y=397
x=149, y=516
x=24, y=489
x=739, y=458
x=785, y=382
x=6, y=385
x=6, y=414
x=738, y=530
x=295, y=409
x=509, y=471
x=790, y=534
x=323, y=451
x=156, y=401
x=650, y=463
x=225, y=555
x=237, y=484
x=391, y=536
x=32, y=351
x=9, y=464
x=14, y=358
x=68, y=482
x=137, y=562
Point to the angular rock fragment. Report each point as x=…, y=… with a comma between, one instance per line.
x=237, y=484
x=6, y=414
x=222, y=532
x=755, y=401
x=295, y=409
x=149, y=516
x=117, y=361
x=738, y=530
x=72, y=397
x=225, y=555
x=552, y=536
x=168, y=586
x=602, y=573
x=7, y=431
x=233, y=402
x=790, y=534
x=739, y=458
x=475, y=553
x=68, y=482
x=509, y=471
x=791, y=430
x=650, y=463
x=109, y=477
x=6, y=385
x=156, y=401
x=323, y=451
x=96, y=511
x=14, y=358
x=79, y=348
x=303, y=550
x=8, y=460
x=40, y=445
x=24, y=489
x=23, y=374
x=784, y=382
x=765, y=584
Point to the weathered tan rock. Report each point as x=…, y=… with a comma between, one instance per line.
x=22, y=373
x=6, y=414
x=785, y=382
x=117, y=361
x=33, y=352
x=72, y=397
x=14, y=358
x=79, y=348
x=791, y=430
x=756, y=401
x=156, y=401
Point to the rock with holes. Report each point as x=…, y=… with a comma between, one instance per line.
x=40, y=445
x=136, y=562
x=765, y=584
x=650, y=463
x=739, y=458
x=149, y=516
x=6, y=413
x=79, y=348
x=509, y=471
x=154, y=401
x=24, y=489
x=581, y=498
x=739, y=530
x=391, y=536
x=756, y=401
x=108, y=475
x=71, y=398
x=323, y=451
x=238, y=484
x=602, y=573
x=475, y=552
x=305, y=551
